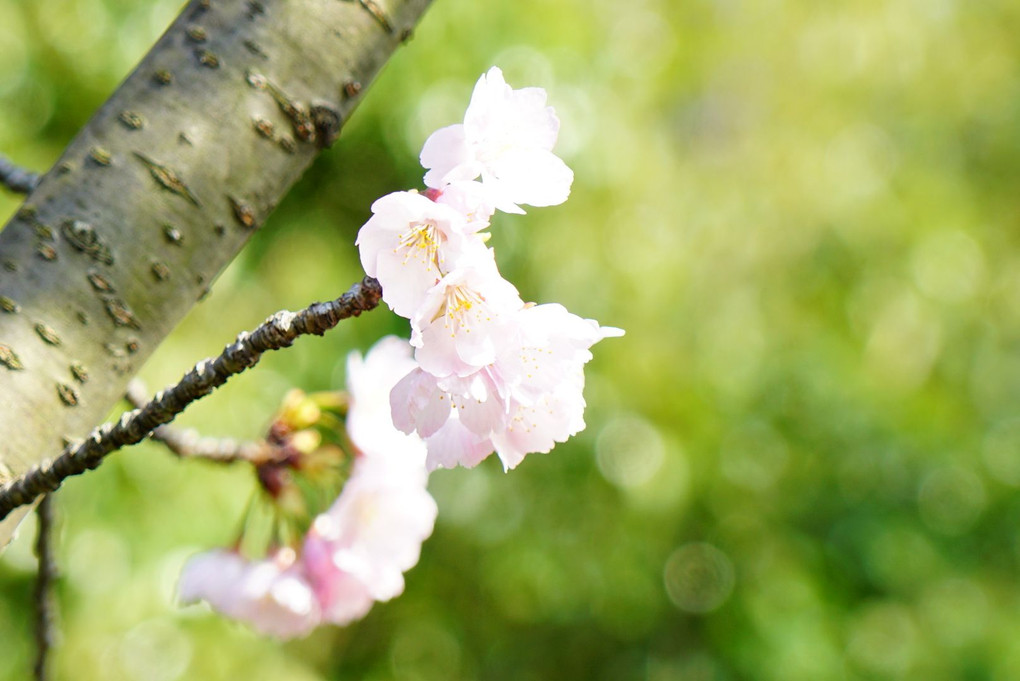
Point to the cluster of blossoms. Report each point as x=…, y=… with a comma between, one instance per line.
x=483, y=372
x=494, y=373
x=353, y=554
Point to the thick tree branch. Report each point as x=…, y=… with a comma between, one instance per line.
x=189, y=444
x=44, y=600
x=278, y=331
x=17, y=179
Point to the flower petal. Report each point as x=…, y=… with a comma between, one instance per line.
x=447, y=157
x=531, y=176
x=454, y=445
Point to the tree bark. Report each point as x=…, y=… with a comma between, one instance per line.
x=158, y=193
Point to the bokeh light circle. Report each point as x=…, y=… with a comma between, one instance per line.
x=951, y=499
x=698, y=577
x=629, y=451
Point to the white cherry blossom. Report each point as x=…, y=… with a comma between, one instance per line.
x=357, y=551
x=418, y=404
x=455, y=445
x=506, y=139
x=409, y=243
x=276, y=597
x=342, y=597
x=464, y=320
x=545, y=381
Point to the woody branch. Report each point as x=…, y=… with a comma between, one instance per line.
x=278, y=331
x=17, y=179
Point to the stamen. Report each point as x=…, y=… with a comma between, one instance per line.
x=422, y=241
x=457, y=304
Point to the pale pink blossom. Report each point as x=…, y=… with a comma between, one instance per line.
x=370, y=379
x=488, y=373
x=526, y=400
x=545, y=381
x=433, y=407
x=455, y=445
x=466, y=318
x=554, y=345
x=343, y=597
x=410, y=242
x=273, y=596
x=277, y=598
x=418, y=404
x=357, y=551
x=377, y=525
x=506, y=139
x=212, y=576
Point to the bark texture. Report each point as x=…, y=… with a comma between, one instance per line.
x=160, y=191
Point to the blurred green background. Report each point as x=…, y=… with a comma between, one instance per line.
x=801, y=462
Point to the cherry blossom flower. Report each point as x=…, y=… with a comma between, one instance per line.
x=276, y=597
x=455, y=445
x=356, y=552
x=273, y=595
x=342, y=597
x=424, y=404
x=526, y=400
x=369, y=382
x=419, y=405
x=506, y=138
x=374, y=531
x=482, y=373
x=213, y=576
x=470, y=199
x=410, y=242
x=384, y=512
x=464, y=319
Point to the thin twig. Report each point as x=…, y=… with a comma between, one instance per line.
x=279, y=331
x=45, y=606
x=189, y=444
x=15, y=178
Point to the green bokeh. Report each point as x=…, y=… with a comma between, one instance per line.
x=802, y=460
